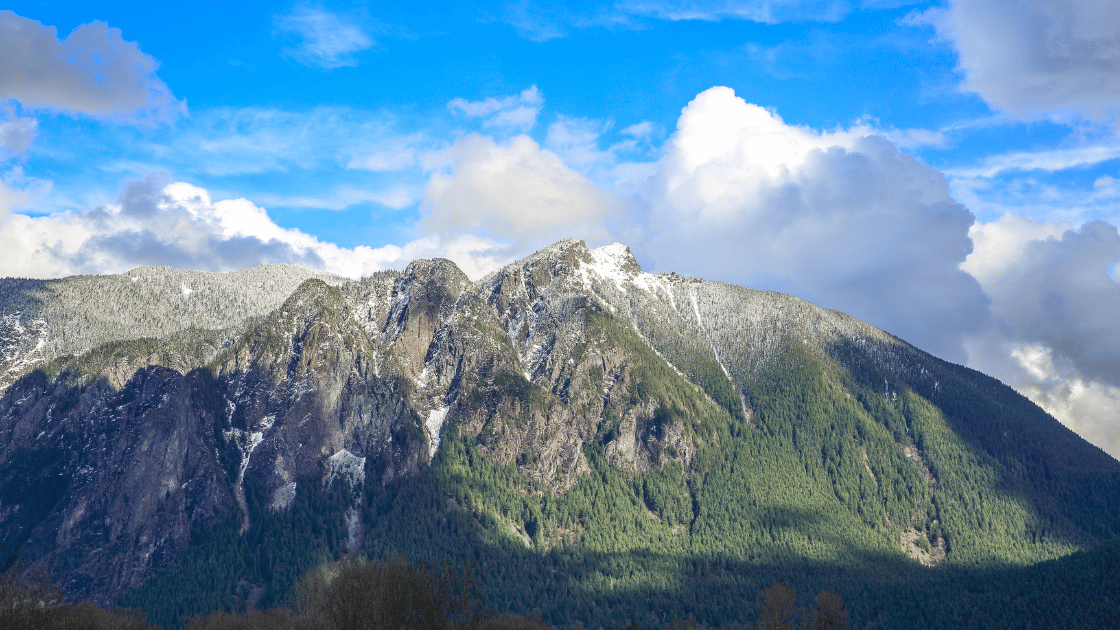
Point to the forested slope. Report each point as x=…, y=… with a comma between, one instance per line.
x=606, y=444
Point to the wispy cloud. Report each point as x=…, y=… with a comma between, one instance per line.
x=235, y=141
x=16, y=132
x=395, y=197
x=518, y=112
x=396, y=159
x=913, y=138
x=580, y=143
x=327, y=40
x=541, y=22
x=1049, y=161
x=764, y=11
x=538, y=21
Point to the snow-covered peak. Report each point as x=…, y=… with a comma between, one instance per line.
x=613, y=262
x=616, y=263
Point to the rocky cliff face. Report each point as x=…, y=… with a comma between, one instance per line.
x=124, y=431
x=104, y=484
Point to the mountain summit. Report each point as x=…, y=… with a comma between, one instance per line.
x=649, y=426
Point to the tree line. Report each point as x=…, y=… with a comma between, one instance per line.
x=362, y=594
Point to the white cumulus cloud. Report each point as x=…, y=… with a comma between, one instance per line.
x=1030, y=58
x=1088, y=407
x=180, y=225
x=1056, y=290
x=94, y=72
x=845, y=220
x=1055, y=300
x=516, y=191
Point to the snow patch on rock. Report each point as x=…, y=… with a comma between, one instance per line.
x=282, y=497
x=345, y=465
x=432, y=427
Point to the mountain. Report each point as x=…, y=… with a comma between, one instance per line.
x=605, y=443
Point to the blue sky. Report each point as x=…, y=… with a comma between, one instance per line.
x=948, y=171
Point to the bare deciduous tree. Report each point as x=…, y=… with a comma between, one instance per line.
x=828, y=612
x=393, y=594
x=777, y=608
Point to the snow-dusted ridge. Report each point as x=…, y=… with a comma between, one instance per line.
x=541, y=292
x=42, y=320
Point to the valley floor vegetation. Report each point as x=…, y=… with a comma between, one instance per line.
x=360, y=594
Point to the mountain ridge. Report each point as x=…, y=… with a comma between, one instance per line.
x=726, y=409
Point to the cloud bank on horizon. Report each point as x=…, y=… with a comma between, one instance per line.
x=983, y=230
